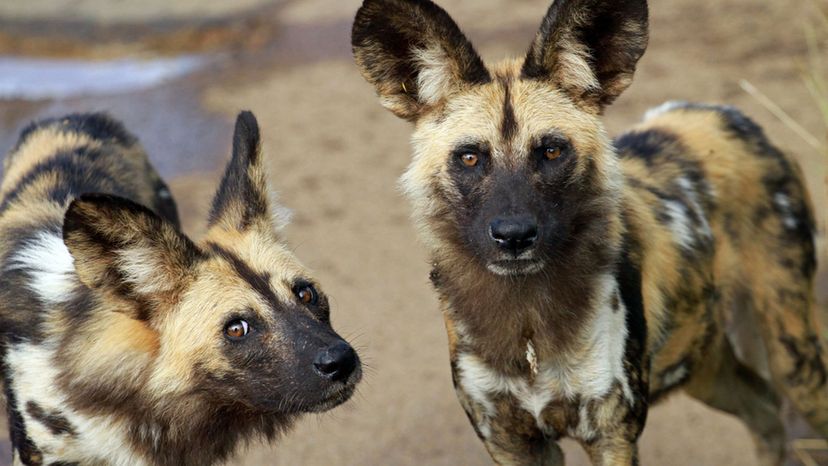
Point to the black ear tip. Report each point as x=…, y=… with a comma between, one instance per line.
x=246, y=136
x=247, y=128
x=247, y=121
x=383, y=9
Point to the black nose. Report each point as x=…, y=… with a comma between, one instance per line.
x=336, y=362
x=514, y=234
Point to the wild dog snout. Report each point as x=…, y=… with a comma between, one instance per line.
x=514, y=234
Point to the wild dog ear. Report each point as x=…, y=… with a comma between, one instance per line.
x=589, y=48
x=123, y=245
x=414, y=54
x=243, y=197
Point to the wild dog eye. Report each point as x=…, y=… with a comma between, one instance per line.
x=238, y=328
x=307, y=295
x=551, y=147
x=552, y=152
x=469, y=159
x=470, y=155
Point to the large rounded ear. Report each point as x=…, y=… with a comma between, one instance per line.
x=126, y=248
x=414, y=54
x=243, y=200
x=589, y=48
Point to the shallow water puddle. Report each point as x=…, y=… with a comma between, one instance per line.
x=39, y=79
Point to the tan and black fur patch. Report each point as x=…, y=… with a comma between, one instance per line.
x=125, y=342
x=581, y=278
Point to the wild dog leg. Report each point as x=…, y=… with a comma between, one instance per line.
x=612, y=451
x=517, y=451
x=781, y=275
x=727, y=384
x=798, y=362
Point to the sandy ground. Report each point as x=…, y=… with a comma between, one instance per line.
x=335, y=155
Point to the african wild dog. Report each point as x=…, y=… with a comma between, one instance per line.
x=582, y=279
x=123, y=342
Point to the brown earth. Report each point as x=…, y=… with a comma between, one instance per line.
x=335, y=155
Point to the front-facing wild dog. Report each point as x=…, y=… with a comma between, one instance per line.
x=126, y=343
x=583, y=279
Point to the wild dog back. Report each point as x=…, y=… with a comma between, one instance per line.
x=123, y=341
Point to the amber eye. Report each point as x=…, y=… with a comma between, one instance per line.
x=469, y=160
x=237, y=328
x=552, y=153
x=307, y=295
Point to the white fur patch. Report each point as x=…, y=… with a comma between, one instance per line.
x=666, y=107
x=693, y=199
x=49, y=265
x=33, y=375
x=590, y=372
x=679, y=223
x=479, y=382
x=279, y=214
x=435, y=80
x=685, y=233
x=674, y=376
x=783, y=203
x=575, y=69
x=583, y=430
x=140, y=267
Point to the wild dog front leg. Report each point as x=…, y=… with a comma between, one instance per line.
x=610, y=429
x=509, y=433
x=615, y=451
x=513, y=438
x=547, y=454
x=515, y=449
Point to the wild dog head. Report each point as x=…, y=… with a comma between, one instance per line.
x=511, y=166
x=229, y=333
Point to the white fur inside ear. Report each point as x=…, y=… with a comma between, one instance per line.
x=280, y=215
x=143, y=268
x=435, y=80
x=573, y=68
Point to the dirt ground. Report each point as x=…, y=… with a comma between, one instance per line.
x=335, y=156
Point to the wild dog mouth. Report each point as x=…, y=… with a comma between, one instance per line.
x=515, y=266
x=338, y=397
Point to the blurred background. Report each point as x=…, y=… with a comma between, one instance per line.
x=177, y=72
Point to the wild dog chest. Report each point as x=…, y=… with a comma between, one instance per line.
x=584, y=396
x=586, y=392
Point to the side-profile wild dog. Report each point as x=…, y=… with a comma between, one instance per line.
x=126, y=343
x=583, y=279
